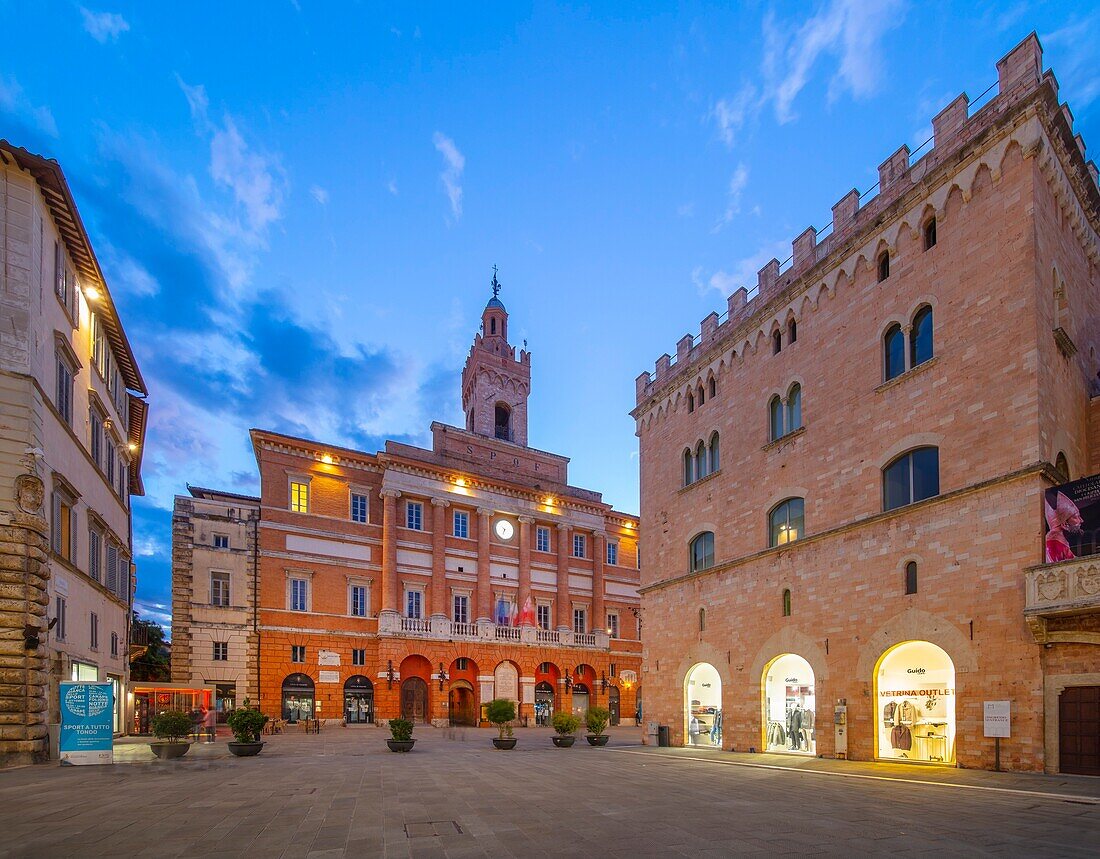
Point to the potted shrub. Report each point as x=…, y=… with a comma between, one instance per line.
x=172, y=729
x=247, y=725
x=501, y=712
x=597, y=720
x=565, y=726
x=402, y=733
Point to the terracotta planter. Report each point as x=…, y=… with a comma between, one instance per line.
x=505, y=743
x=564, y=741
x=245, y=750
x=166, y=751
x=597, y=739
x=400, y=745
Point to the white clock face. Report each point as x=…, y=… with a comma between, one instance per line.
x=504, y=529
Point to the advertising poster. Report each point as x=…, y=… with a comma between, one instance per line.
x=1072, y=514
x=87, y=710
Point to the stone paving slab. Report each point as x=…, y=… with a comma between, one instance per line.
x=343, y=794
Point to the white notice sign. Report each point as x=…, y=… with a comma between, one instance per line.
x=328, y=657
x=328, y=676
x=997, y=719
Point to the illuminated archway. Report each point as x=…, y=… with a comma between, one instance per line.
x=915, y=704
x=703, y=706
x=789, y=719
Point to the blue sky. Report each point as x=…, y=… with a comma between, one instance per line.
x=297, y=205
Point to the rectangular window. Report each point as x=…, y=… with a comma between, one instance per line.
x=60, y=284
x=613, y=625
x=94, y=631
x=59, y=613
x=462, y=608
x=114, y=644
x=113, y=572
x=95, y=443
x=612, y=554
x=358, y=507
x=219, y=589
x=299, y=496
x=358, y=656
x=413, y=600
x=64, y=401
x=221, y=651
x=299, y=595
x=462, y=524
x=359, y=600
x=221, y=541
x=297, y=653
x=109, y=466
x=543, y=610
x=542, y=539
x=580, y=621
x=62, y=534
x=414, y=515
x=95, y=554
x=578, y=545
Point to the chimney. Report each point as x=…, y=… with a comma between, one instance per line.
x=844, y=212
x=1023, y=64
x=893, y=168
x=948, y=121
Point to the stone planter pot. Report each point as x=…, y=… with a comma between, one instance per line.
x=597, y=740
x=166, y=751
x=564, y=742
x=505, y=744
x=400, y=745
x=245, y=750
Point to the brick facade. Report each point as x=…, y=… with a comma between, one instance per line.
x=1014, y=259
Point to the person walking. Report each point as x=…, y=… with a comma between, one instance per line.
x=210, y=720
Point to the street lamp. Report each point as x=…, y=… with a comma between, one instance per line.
x=389, y=674
x=442, y=676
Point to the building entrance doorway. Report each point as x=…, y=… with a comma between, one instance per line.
x=359, y=700
x=298, y=697
x=915, y=704
x=461, y=705
x=613, y=704
x=580, y=701
x=414, y=700
x=703, y=706
x=790, y=713
x=1079, y=730
x=544, y=704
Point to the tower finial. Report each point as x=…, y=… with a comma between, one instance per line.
x=496, y=283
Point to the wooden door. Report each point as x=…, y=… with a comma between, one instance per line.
x=1079, y=730
x=414, y=700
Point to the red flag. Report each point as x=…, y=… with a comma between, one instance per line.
x=527, y=618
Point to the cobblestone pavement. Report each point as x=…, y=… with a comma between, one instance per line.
x=344, y=794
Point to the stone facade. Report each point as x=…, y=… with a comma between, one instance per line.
x=385, y=574
x=72, y=425
x=994, y=230
x=215, y=641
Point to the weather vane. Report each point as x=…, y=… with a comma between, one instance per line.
x=496, y=283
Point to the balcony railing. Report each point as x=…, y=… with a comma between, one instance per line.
x=1055, y=590
x=391, y=623
x=584, y=639
x=415, y=625
x=463, y=630
x=547, y=636
x=508, y=633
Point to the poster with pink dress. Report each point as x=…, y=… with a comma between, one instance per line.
x=1072, y=515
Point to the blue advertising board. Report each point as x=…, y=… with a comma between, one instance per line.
x=87, y=715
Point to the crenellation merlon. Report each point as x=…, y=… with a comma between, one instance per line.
x=949, y=121
x=892, y=169
x=683, y=347
x=1022, y=65
x=708, y=328
x=804, y=249
x=767, y=278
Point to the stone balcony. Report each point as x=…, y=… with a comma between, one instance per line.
x=1058, y=591
x=440, y=628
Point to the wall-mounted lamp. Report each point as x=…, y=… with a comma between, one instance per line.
x=603, y=682
x=442, y=676
x=92, y=293
x=389, y=674
x=326, y=458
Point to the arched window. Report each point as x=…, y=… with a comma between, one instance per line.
x=691, y=402
x=787, y=602
x=689, y=467
x=713, y=387
x=715, y=459
x=911, y=477
x=700, y=395
x=911, y=577
x=883, y=266
x=1061, y=465
x=794, y=408
x=893, y=349
x=930, y=234
x=503, y=421
x=777, y=342
x=775, y=415
x=493, y=325
x=701, y=553
x=920, y=337
x=792, y=331
x=700, y=461
x=786, y=522
x=702, y=619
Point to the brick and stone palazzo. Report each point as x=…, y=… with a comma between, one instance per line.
x=851, y=574
x=425, y=583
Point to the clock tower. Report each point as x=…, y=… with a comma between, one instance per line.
x=495, y=383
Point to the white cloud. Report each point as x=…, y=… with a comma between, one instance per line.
x=730, y=113
x=391, y=186
x=742, y=272
x=104, y=26
x=737, y=184
x=14, y=101
x=849, y=30
x=319, y=194
x=685, y=210
x=1074, y=47
x=127, y=274
x=454, y=162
